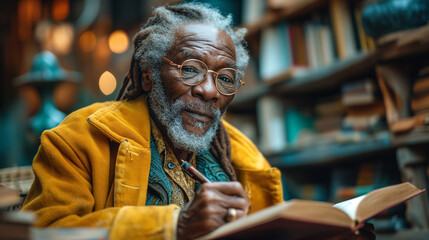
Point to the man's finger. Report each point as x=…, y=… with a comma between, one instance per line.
x=229, y=201
x=227, y=188
x=232, y=214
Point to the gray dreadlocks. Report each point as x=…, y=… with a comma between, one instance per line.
x=156, y=37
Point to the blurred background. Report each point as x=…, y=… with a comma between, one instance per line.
x=336, y=94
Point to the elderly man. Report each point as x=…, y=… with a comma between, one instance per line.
x=115, y=165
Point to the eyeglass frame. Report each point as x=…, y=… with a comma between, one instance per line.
x=179, y=66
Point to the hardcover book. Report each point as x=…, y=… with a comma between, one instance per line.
x=303, y=219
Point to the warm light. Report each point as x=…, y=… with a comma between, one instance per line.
x=118, y=41
x=65, y=94
x=62, y=38
x=102, y=53
x=87, y=41
x=107, y=83
x=29, y=13
x=60, y=10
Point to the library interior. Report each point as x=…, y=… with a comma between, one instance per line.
x=335, y=94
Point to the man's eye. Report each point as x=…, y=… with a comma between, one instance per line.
x=189, y=69
x=225, y=79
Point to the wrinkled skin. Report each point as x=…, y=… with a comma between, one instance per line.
x=209, y=208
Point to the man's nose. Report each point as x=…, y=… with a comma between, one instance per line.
x=207, y=90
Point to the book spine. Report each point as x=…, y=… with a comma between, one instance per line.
x=343, y=28
x=271, y=124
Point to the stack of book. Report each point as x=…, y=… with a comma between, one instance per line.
x=420, y=99
x=330, y=113
x=365, y=111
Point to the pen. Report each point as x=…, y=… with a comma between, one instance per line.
x=193, y=172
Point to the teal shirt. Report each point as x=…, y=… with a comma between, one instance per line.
x=208, y=165
x=159, y=188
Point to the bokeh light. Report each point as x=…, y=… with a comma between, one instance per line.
x=62, y=38
x=87, y=41
x=107, y=83
x=60, y=10
x=118, y=41
x=65, y=96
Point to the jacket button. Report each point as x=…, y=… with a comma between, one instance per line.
x=170, y=165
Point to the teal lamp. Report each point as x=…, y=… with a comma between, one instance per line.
x=45, y=74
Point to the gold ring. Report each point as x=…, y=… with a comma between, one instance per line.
x=231, y=215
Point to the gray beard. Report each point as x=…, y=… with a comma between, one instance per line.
x=169, y=115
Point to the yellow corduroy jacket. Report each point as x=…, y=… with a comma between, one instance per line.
x=79, y=184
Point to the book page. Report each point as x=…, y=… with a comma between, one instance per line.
x=385, y=198
x=350, y=206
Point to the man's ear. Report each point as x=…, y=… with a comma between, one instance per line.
x=146, y=82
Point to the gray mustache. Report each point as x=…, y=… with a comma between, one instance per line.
x=196, y=106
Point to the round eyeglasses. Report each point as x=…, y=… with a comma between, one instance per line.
x=193, y=72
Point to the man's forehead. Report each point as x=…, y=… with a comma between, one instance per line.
x=203, y=33
x=191, y=54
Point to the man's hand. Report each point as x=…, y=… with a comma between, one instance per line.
x=209, y=208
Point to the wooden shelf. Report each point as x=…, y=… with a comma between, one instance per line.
x=308, y=81
x=407, y=43
x=415, y=137
x=301, y=7
x=330, y=153
x=392, y=53
x=323, y=78
x=337, y=152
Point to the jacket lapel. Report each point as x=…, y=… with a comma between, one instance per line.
x=127, y=122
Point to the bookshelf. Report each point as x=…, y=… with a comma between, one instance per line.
x=325, y=165
x=299, y=8
x=330, y=154
x=309, y=81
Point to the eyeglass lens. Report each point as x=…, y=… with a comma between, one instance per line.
x=193, y=72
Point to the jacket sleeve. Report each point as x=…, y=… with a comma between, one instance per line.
x=62, y=196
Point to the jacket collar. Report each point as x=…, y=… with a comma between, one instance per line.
x=130, y=120
x=124, y=120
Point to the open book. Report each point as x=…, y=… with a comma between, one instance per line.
x=302, y=219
